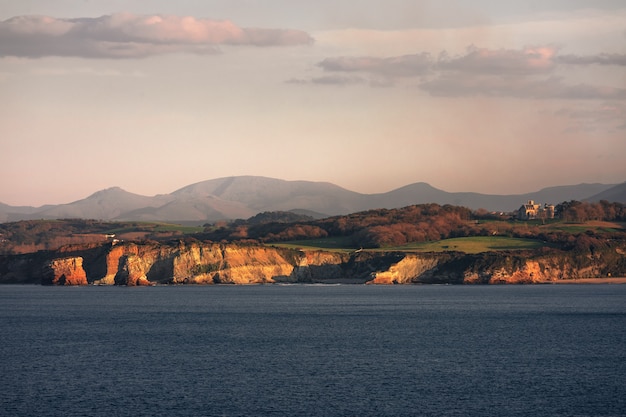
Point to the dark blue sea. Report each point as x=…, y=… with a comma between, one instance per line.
x=300, y=350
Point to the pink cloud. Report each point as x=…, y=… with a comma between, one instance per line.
x=126, y=35
x=530, y=60
x=525, y=73
x=400, y=66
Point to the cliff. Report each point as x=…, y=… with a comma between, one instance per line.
x=64, y=271
x=194, y=262
x=514, y=267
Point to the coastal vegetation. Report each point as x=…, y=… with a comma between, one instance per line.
x=426, y=243
x=28, y=236
x=417, y=228
x=432, y=227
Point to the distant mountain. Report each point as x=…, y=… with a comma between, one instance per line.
x=15, y=213
x=245, y=196
x=191, y=209
x=564, y=193
x=613, y=194
x=270, y=194
x=421, y=193
x=106, y=204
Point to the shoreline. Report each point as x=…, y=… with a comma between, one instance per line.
x=605, y=280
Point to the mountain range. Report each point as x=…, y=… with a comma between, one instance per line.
x=244, y=196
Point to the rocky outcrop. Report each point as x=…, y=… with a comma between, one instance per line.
x=64, y=271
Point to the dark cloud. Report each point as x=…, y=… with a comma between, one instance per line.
x=126, y=35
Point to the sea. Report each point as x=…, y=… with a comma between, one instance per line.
x=313, y=350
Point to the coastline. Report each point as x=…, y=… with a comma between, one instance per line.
x=605, y=280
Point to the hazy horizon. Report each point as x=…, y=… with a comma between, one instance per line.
x=152, y=96
x=280, y=179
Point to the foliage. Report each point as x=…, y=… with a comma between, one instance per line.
x=34, y=235
x=576, y=211
x=278, y=217
x=393, y=228
x=205, y=268
x=372, y=228
x=407, y=228
x=340, y=243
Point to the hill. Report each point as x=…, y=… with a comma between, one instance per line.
x=110, y=203
x=617, y=193
x=244, y=196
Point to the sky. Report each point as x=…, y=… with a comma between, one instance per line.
x=489, y=96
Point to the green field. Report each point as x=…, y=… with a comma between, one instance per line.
x=474, y=244
x=582, y=228
x=340, y=243
x=125, y=227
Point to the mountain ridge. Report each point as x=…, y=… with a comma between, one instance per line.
x=234, y=197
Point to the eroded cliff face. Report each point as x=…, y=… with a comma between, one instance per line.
x=230, y=264
x=197, y=262
x=215, y=263
x=315, y=266
x=518, y=267
x=411, y=268
x=136, y=264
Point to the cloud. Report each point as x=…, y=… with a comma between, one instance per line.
x=602, y=117
x=599, y=59
x=337, y=80
x=523, y=73
x=297, y=81
x=552, y=87
x=530, y=60
x=126, y=35
x=334, y=79
x=401, y=66
x=77, y=71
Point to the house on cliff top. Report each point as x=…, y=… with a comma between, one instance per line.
x=531, y=210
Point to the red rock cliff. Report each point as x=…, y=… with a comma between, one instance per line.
x=65, y=271
x=194, y=262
